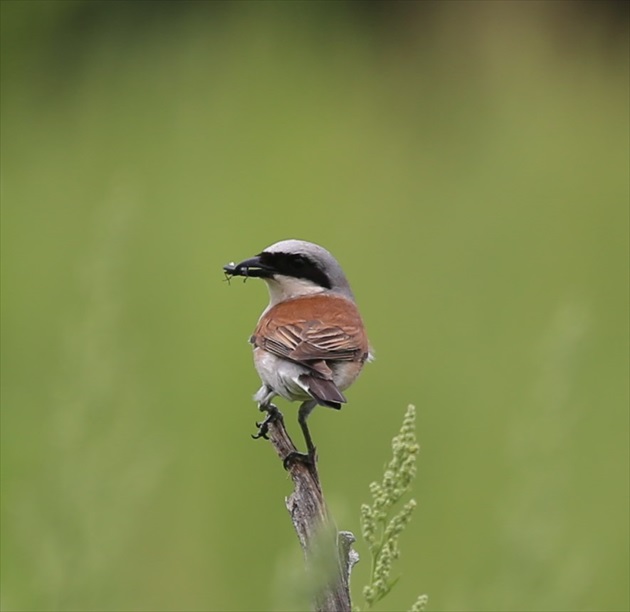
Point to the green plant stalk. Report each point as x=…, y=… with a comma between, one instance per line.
x=381, y=527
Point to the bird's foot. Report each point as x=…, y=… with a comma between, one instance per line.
x=308, y=459
x=273, y=414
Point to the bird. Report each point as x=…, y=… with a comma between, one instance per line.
x=310, y=343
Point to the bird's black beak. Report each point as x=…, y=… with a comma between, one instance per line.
x=250, y=267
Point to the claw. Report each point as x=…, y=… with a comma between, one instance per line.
x=308, y=459
x=273, y=414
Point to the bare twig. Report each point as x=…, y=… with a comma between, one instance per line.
x=315, y=528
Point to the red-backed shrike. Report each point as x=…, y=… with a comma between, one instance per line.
x=310, y=344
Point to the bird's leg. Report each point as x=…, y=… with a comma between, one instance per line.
x=310, y=457
x=305, y=410
x=265, y=396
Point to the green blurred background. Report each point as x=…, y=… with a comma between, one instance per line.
x=468, y=165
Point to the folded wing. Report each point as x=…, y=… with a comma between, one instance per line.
x=313, y=328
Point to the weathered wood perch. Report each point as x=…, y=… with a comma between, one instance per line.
x=314, y=524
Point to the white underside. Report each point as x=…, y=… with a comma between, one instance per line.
x=282, y=376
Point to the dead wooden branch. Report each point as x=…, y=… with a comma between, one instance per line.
x=316, y=529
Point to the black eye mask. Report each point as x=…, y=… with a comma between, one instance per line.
x=295, y=265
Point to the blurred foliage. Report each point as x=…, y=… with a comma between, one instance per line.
x=468, y=165
x=383, y=522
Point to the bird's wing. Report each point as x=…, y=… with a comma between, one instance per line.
x=313, y=330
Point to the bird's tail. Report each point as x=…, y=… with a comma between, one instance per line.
x=324, y=391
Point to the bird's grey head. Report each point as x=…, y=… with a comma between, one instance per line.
x=294, y=268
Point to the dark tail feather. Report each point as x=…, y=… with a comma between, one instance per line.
x=324, y=391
